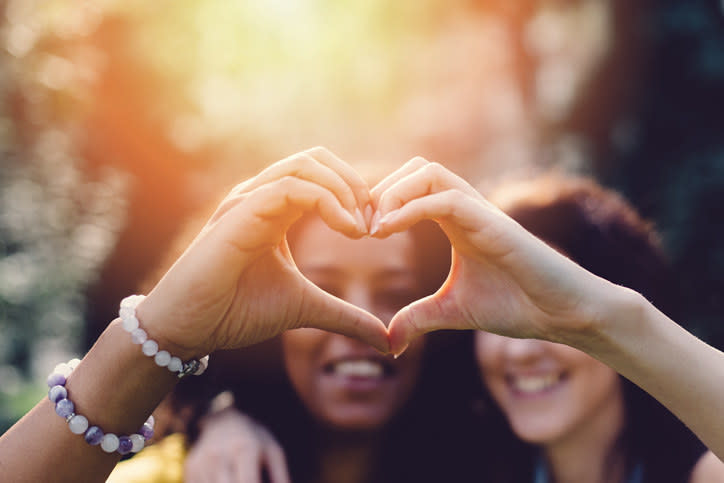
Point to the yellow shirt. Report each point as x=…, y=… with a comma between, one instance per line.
x=162, y=462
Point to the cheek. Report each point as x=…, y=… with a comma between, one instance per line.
x=595, y=384
x=300, y=348
x=488, y=353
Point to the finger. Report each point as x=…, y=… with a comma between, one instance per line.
x=428, y=179
x=433, y=312
x=324, y=311
x=200, y=468
x=305, y=166
x=451, y=208
x=275, y=461
x=348, y=174
x=409, y=167
x=261, y=217
x=246, y=470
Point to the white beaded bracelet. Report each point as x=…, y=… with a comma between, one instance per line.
x=149, y=347
x=78, y=424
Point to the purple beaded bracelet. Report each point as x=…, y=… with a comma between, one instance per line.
x=149, y=347
x=78, y=424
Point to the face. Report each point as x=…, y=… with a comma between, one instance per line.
x=549, y=392
x=344, y=383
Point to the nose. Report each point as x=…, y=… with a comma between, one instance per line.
x=523, y=351
x=359, y=294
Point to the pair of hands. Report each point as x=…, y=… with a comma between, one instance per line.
x=237, y=283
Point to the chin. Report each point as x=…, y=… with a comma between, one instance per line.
x=534, y=432
x=356, y=420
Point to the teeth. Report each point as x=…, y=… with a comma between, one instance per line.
x=533, y=384
x=359, y=368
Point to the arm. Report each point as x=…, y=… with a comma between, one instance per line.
x=505, y=280
x=234, y=286
x=672, y=365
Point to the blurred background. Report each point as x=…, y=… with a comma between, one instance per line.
x=120, y=120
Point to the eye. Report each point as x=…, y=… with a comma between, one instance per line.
x=329, y=287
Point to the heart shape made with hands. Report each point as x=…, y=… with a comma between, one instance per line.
x=380, y=276
x=499, y=277
x=243, y=285
x=420, y=249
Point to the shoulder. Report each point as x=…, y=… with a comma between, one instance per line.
x=709, y=468
x=162, y=462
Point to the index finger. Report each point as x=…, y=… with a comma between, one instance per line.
x=345, y=171
x=408, y=168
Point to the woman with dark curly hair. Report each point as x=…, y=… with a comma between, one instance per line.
x=556, y=410
x=577, y=418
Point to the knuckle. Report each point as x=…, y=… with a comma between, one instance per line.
x=318, y=151
x=454, y=196
x=435, y=169
x=418, y=161
x=297, y=162
x=287, y=182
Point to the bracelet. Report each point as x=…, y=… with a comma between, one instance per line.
x=79, y=424
x=149, y=347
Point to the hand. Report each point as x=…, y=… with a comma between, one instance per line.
x=234, y=448
x=502, y=279
x=237, y=283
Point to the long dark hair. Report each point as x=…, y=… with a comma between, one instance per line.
x=429, y=440
x=600, y=231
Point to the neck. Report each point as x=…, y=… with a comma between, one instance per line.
x=589, y=454
x=347, y=457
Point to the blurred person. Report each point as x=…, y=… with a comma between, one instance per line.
x=589, y=424
x=580, y=419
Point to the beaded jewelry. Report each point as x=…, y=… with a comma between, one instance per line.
x=79, y=424
x=149, y=347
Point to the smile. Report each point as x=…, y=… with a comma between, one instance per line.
x=358, y=368
x=534, y=385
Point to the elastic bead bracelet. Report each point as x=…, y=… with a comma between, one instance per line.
x=149, y=347
x=79, y=424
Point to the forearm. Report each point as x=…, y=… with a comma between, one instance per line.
x=682, y=372
x=115, y=386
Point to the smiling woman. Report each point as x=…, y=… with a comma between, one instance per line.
x=580, y=420
x=343, y=383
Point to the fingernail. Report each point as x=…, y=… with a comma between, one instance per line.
x=401, y=351
x=360, y=221
x=368, y=213
x=375, y=224
x=350, y=218
x=388, y=217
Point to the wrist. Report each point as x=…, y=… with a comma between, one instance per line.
x=619, y=317
x=159, y=323
x=115, y=385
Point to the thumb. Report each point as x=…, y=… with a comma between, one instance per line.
x=420, y=317
x=327, y=312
